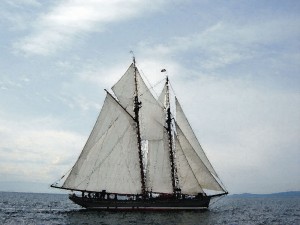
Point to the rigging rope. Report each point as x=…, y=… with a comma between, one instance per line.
x=56, y=182
x=216, y=201
x=151, y=86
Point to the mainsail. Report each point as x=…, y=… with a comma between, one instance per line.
x=113, y=159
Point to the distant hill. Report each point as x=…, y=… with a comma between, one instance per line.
x=279, y=194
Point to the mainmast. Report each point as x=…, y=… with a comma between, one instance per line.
x=137, y=106
x=169, y=130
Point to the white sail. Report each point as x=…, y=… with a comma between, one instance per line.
x=124, y=89
x=152, y=120
x=151, y=113
x=188, y=182
x=159, y=167
x=190, y=135
x=201, y=172
x=109, y=160
x=162, y=97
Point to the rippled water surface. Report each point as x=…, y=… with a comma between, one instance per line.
x=27, y=208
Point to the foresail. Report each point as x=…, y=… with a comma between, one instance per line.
x=191, y=137
x=109, y=160
x=199, y=169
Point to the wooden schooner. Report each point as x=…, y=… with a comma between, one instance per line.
x=140, y=156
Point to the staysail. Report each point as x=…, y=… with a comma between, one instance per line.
x=204, y=177
x=188, y=182
x=190, y=135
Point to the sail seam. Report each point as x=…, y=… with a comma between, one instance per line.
x=104, y=135
x=102, y=161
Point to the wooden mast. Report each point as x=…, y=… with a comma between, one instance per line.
x=169, y=130
x=137, y=106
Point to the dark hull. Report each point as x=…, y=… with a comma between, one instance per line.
x=149, y=204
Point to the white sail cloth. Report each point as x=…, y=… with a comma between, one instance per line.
x=151, y=113
x=152, y=121
x=194, y=170
x=109, y=160
x=191, y=137
x=159, y=167
x=200, y=172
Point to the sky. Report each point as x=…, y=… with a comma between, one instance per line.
x=234, y=66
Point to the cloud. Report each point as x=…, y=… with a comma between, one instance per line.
x=105, y=76
x=223, y=43
x=243, y=126
x=15, y=15
x=250, y=133
x=36, y=149
x=70, y=19
x=79, y=101
x=235, y=75
x=20, y=3
x=248, y=127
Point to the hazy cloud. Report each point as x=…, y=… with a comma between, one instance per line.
x=57, y=28
x=235, y=72
x=246, y=130
x=225, y=43
x=37, y=145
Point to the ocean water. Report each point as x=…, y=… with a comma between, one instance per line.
x=29, y=208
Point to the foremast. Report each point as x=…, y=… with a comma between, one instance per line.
x=136, y=109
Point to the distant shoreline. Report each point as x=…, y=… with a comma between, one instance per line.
x=244, y=195
x=278, y=194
